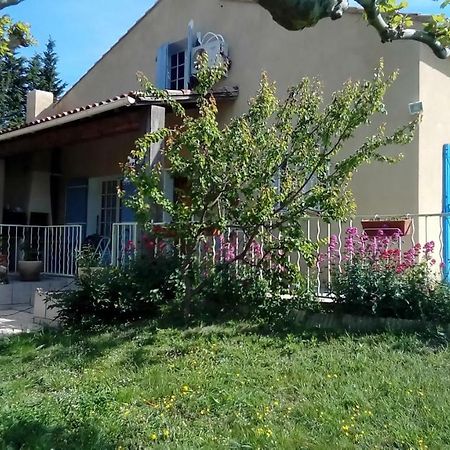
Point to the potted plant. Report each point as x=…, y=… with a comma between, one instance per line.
x=388, y=227
x=88, y=261
x=29, y=265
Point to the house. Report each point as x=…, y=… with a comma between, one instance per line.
x=62, y=167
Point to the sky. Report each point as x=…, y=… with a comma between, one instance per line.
x=85, y=29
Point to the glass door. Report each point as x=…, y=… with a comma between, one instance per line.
x=109, y=207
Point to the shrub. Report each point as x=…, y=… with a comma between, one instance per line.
x=113, y=294
x=244, y=291
x=373, y=277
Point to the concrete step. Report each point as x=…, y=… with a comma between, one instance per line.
x=18, y=320
x=21, y=292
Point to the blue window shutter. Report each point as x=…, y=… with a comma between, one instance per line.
x=126, y=213
x=188, y=54
x=76, y=202
x=446, y=210
x=162, y=66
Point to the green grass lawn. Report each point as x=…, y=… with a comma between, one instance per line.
x=225, y=386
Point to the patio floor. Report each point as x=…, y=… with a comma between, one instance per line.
x=18, y=294
x=18, y=311
x=15, y=321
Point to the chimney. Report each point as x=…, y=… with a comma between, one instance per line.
x=37, y=102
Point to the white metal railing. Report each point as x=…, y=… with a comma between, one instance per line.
x=124, y=242
x=424, y=228
x=56, y=246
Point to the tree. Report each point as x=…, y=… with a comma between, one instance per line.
x=34, y=71
x=19, y=76
x=48, y=77
x=12, y=34
x=386, y=16
x=13, y=82
x=264, y=171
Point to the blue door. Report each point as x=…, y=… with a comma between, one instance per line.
x=446, y=210
x=76, y=203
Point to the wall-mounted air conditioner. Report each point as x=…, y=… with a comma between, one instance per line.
x=216, y=48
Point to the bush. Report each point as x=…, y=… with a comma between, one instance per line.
x=245, y=292
x=113, y=294
x=153, y=288
x=373, y=277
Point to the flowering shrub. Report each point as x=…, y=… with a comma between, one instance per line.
x=261, y=285
x=229, y=172
x=371, y=275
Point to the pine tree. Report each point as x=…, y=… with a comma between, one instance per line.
x=34, y=70
x=13, y=87
x=49, y=77
x=19, y=75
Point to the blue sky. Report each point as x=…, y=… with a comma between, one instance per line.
x=85, y=29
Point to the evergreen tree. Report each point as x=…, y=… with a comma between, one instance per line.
x=13, y=87
x=19, y=76
x=49, y=77
x=34, y=70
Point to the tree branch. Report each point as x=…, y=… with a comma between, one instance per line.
x=389, y=34
x=6, y=3
x=300, y=14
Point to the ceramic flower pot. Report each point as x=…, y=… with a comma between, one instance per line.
x=374, y=228
x=30, y=270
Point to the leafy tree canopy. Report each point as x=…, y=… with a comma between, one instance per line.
x=12, y=34
x=265, y=170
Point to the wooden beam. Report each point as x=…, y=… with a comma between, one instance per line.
x=83, y=131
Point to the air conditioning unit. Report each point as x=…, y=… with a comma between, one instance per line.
x=215, y=47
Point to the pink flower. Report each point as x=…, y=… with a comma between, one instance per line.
x=428, y=248
x=352, y=231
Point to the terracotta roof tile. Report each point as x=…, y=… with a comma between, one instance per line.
x=183, y=95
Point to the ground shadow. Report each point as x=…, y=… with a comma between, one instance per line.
x=32, y=435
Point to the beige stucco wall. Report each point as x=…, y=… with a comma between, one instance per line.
x=332, y=51
x=434, y=129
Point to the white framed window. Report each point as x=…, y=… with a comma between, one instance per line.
x=177, y=71
x=173, y=62
x=109, y=207
x=103, y=205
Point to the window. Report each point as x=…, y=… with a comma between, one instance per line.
x=172, y=66
x=109, y=210
x=173, y=62
x=177, y=70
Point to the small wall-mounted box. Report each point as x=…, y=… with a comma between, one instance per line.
x=415, y=108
